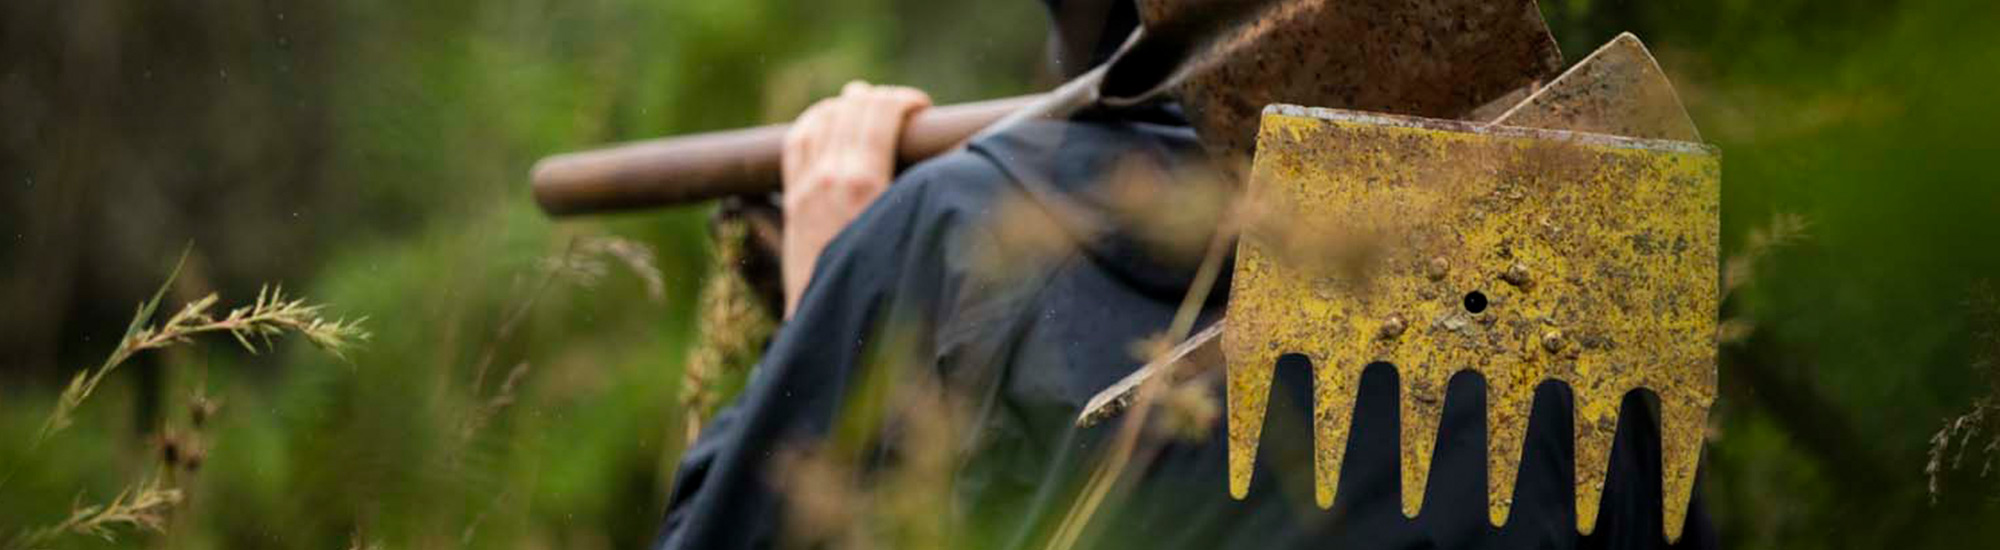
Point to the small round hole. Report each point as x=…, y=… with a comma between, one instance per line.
x=1475, y=302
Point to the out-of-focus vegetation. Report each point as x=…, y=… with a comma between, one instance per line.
x=521, y=389
x=522, y=385
x=1872, y=121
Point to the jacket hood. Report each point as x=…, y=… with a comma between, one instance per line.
x=1065, y=167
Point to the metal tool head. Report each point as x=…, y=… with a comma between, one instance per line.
x=1523, y=255
x=1618, y=90
x=1437, y=59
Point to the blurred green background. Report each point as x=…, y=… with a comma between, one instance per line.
x=372, y=155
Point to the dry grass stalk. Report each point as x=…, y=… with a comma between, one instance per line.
x=583, y=263
x=1734, y=330
x=1964, y=432
x=1192, y=407
x=143, y=506
x=834, y=502
x=1196, y=211
x=356, y=542
x=1950, y=443
x=1152, y=347
x=1188, y=411
x=1350, y=246
x=502, y=398
x=638, y=258
x=1027, y=240
x=1172, y=213
x=1784, y=230
x=1193, y=219
x=733, y=330
x=272, y=315
x=823, y=499
x=1741, y=269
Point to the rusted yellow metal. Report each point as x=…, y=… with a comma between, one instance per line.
x=1441, y=246
x=1618, y=89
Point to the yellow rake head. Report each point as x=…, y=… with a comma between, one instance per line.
x=1524, y=255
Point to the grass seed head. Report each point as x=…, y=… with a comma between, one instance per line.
x=270, y=316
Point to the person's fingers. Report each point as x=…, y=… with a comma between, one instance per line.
x=831, y=133
x=850, y=140
x=885, y=112
x=906, y=97
x=855, y=168
x=909, y=102
x=840, y=155
x=855, y=87
x=794, y=144
x=858, y=98
x=877, y=126
x=802, y=141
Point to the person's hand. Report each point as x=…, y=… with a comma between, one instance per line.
x=838, y=157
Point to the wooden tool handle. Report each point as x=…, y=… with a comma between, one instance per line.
x=700, y=167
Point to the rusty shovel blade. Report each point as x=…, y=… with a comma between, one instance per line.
x=1437, y=59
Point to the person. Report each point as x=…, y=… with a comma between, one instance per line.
x=865, y=249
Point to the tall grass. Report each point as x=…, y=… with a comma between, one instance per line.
x=146, y=504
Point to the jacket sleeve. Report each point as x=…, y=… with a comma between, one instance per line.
x=885, y=269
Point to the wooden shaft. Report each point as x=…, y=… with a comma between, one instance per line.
x=700, y=167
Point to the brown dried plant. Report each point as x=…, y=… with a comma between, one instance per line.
x=734, y=330
x=1784, y=230
x=356, y=542
x=1189, y=409
x=583, y=263
x=143, y=506
x=1980, y=427
x=1741, y=269
x=482, y=415
x=1173, y=213
x=1152, y=347
x=1027, y=239
x=824, y=499
x=833, y=501
x=273, y=314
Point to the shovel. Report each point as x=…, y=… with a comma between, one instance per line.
x=1222, y=60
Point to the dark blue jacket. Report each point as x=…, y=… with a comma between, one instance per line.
x=1027, y=352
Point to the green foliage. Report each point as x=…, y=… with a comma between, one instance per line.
x=1872, y=122
x=522, y=390
x=522, y=387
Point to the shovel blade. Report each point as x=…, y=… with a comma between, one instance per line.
x=1437, y=59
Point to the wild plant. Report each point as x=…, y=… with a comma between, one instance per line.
x=145, y=505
